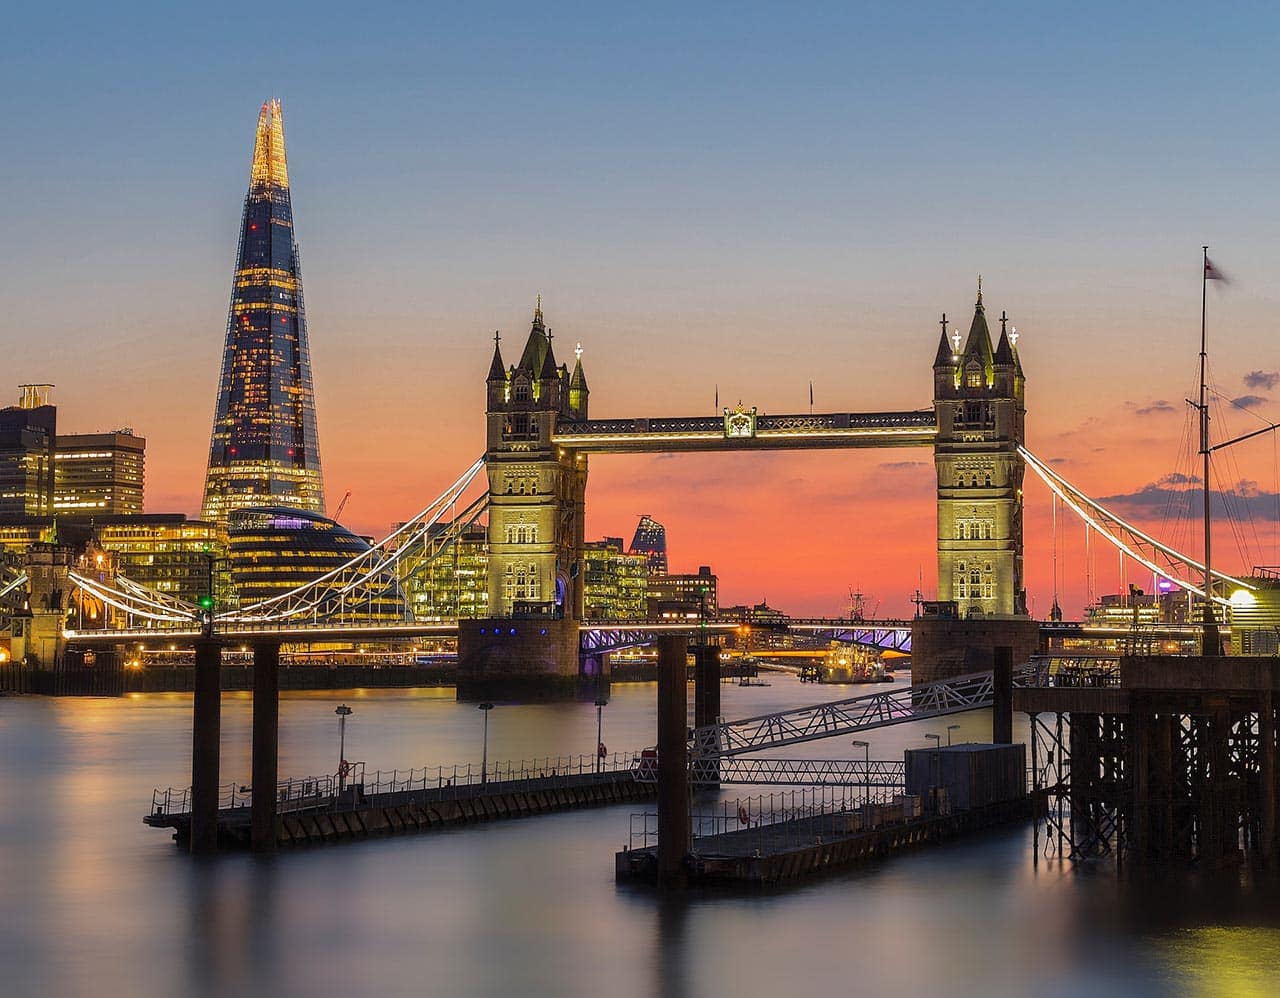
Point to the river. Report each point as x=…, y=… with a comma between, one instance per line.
x=92, y=902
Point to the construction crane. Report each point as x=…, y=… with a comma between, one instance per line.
x=341, y=506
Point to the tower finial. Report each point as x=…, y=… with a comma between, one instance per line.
x=497, y=337
x=979, y=291
x=1004, y=321
x=577, y=351
x=537, y=312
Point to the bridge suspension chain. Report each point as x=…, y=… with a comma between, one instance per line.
x=368, y=575
x=1136, y=543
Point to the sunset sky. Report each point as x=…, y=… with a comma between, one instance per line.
x=753, y=198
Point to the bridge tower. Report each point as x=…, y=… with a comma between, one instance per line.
x=537, y=492
x=979, y=403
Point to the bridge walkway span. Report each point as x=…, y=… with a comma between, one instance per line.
x=917, y=702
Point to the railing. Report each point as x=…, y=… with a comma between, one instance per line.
x=791, y=818
x=331, y=793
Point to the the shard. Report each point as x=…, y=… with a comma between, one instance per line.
x=264, y=450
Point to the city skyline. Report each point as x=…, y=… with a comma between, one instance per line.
x=809, y=239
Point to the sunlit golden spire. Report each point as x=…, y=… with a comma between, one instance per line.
x=269, y=164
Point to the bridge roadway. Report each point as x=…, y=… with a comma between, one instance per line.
x=746, y=430
x=606, y=635
x=628, y=633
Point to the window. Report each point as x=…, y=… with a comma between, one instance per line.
x=521, y=533
x=522, y=391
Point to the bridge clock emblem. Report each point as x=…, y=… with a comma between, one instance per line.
x=740, y=422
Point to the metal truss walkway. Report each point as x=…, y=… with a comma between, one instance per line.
x=917, y=702
x=802, y=772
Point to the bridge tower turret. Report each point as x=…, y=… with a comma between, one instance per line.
x=980, y=409
x=537, y=495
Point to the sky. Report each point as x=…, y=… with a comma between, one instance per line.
x=742, y=197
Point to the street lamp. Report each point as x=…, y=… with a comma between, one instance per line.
x=484, y=756
x=600, y=706
x=951, y=728
x=343, y=712
x=937, y=759
x=866, y=758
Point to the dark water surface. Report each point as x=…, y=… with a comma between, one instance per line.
x=92, y=902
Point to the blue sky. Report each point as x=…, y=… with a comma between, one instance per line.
x=750, y=196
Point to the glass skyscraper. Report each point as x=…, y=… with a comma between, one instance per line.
x=265, y=451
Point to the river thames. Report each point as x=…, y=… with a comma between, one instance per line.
x=94, y=902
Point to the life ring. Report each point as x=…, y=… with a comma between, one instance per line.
x=743, y=817
x=344, y=768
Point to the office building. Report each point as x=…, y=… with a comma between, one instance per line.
x=274, y=550
x=683, y=595
x=264, y=450
x=28, y=436
x=615, y=586
x=650, y=540
x=98, y=474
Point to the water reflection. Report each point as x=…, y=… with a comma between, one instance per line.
x=94, y=902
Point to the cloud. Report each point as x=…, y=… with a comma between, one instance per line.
x=1245, y=501
x=1059, y=460
x=1156, y=406
x=900, y=465
x=1265, y=380
x=1249, y=401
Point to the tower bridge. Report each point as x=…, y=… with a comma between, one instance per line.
x=534, y=472
x=540, y=436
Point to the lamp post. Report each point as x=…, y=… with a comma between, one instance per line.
x=484, y=755
x=937, y=761
x=600, y=705
x=343, y=712
x=866, y=776
x=951, y=728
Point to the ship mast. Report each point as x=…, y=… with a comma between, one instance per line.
x=1210, y=644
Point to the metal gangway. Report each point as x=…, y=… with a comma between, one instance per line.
x=917, y=702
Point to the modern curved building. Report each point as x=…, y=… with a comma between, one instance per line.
x=275, y=549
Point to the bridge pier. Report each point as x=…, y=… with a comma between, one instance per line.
x=206, y=731
x=266, y=746
x=523, y=659
x=1002, y=697
x=673, y=760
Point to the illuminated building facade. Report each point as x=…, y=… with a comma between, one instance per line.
x=452, y=580
x=264, y=449
x=1255, y=615
x=650, y=540
x=615, y=584
x=28, y=437
x=980, y=410
x=98, y=474
x=276, y=549
x=683, y=595
x=168, y=553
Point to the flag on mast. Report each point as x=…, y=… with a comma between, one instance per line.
x=1213, y=273
x=717, y=406
x=810, y=394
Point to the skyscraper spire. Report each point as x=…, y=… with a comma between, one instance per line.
x=264, y=449
x=269, y=164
